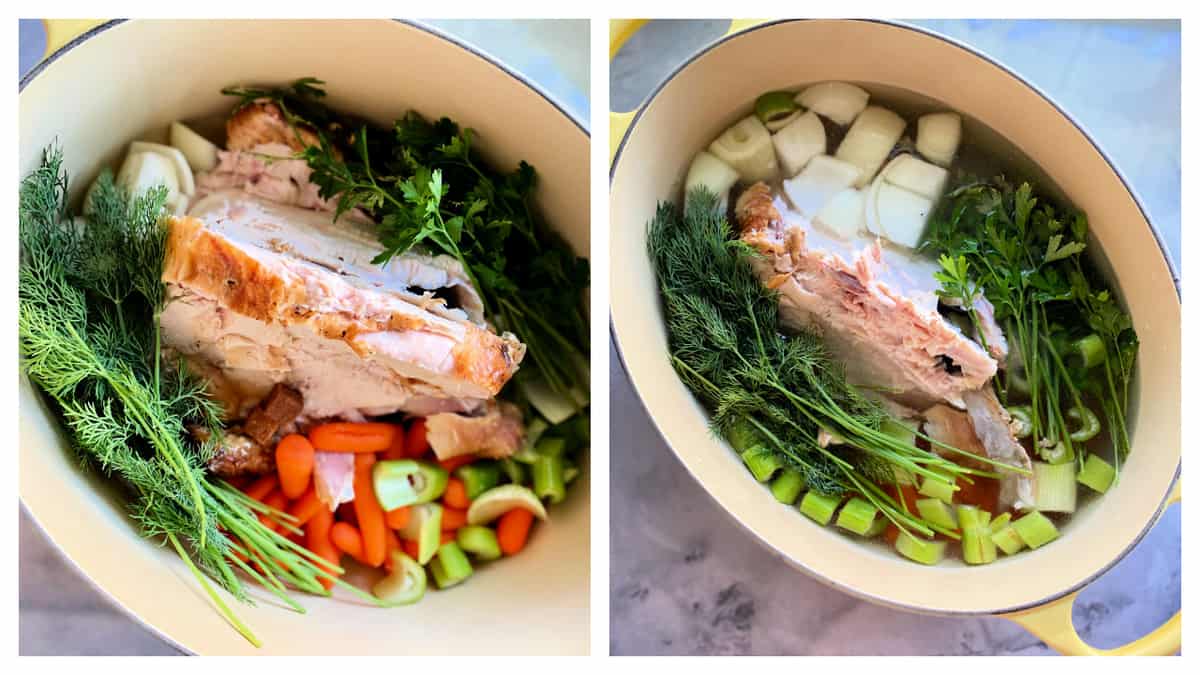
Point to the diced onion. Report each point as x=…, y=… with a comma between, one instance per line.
x=201, y=153
x=747, y=147
x=799, y=142
x=822, y=178
x=712, y=173
x=938, y=136
x=916, y=175
x=844, y=214
x=870, y=140
x=839, y=101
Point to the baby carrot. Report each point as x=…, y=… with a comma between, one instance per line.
x=456, y=495
x=453, y=518
x=415, y=443
x=317, y=539
x=294, y=461
x=397, y=519
x=370, y=516
x=262, y=487
x=411, y=548
x=304, y=508
x=447, y=537
x=352, y=436
x=513, y=530
x=277, y=501
x=453, y=463
x=347, y=540
x=397, y=448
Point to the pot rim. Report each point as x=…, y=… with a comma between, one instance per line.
x=645, y=103
x=96, y=30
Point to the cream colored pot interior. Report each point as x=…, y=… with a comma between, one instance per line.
x=715, y=90
x=129, y=82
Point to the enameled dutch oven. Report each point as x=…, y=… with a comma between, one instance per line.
x=123, y=81
x=651, y=149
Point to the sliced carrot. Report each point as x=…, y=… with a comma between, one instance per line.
x=892, y=533
x=453, y=463
x=370, y=515
x=277, y=501
x=456, y=494
x=453, y=518
x=304, y=508
x=397, y=519
x=294, y=462
x=512, y=530
x=984, y=493
x=262, y=487
x=447, y=537
x=411, y=548
x=348, y=540
x=352, y=436
x=397, y=449
x=415, y=442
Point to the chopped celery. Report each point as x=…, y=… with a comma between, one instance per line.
x=904, y=431
x=971, y=517
x=937, y=512
x=881, y=523
x=479, y=477
x=742, y=437
x=999, y=522
x=787, y=486
x=762, y=463
x=904, y=477
x=551, y=446
x=1007, y=540
x=502, y=499
x=546, y=401
x=1022, y=420
x=857, y=516
x=404, y=585
x=924, y=551
x=1054, y=485
x=1035, y=529
x=774, y=105
x=451, y=566
x=401, y=482
x=548, y=480
x=570, y=472
x=479, y=541
x=533, y=433
x=977, y=546
x=1096, y=474
x=938, y=488
x=819, y=507
x=514, y=471
x=1089, y=424
x=1089, y=351
x=425, y=526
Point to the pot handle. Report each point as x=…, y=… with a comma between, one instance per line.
x=1052, y=624
x=61, y=31
x=619, y=32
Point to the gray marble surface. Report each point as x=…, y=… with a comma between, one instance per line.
x=686, y=579
x=60, y=613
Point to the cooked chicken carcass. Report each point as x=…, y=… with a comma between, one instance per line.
x=248, y=295
x=237, y=454
x=497, y=433
x=263, y=122
x=876, y=308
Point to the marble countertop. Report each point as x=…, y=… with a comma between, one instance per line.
x=686, y=579
x=60, y=613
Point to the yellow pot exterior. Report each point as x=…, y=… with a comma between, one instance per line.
x=129, y=81
x=691, y=108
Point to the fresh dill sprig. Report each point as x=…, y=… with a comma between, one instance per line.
x=89, y=296
x=767, y=390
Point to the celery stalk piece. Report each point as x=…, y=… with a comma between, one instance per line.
x=938, y=489
x=552, y=446
x=924, y=551
x=1096, y=474
x=1035, y=529
x=970, y=517
x=404, y=585
x=1055, y=487
x=977, y=546
x=857, y=516
x=479, y=477
x=937, y=512
x=402, y=482
x=451, y=566
x=514, y=471
x=904, y=431
x=742, y=437
x=548, y=479
x=774, y=105
x=570, y=472
x=479, y=541
x=999, y=522
x=425, y=526
x=1089, y=351
x=762, y=463
x=877, y=527
x=533, y=433
x=787, y=486
x=819, y=507
x=1007, y=540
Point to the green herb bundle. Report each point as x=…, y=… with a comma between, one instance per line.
x=90, y=292
x=1072, y=340
x=425, y=185
x=770, y=392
